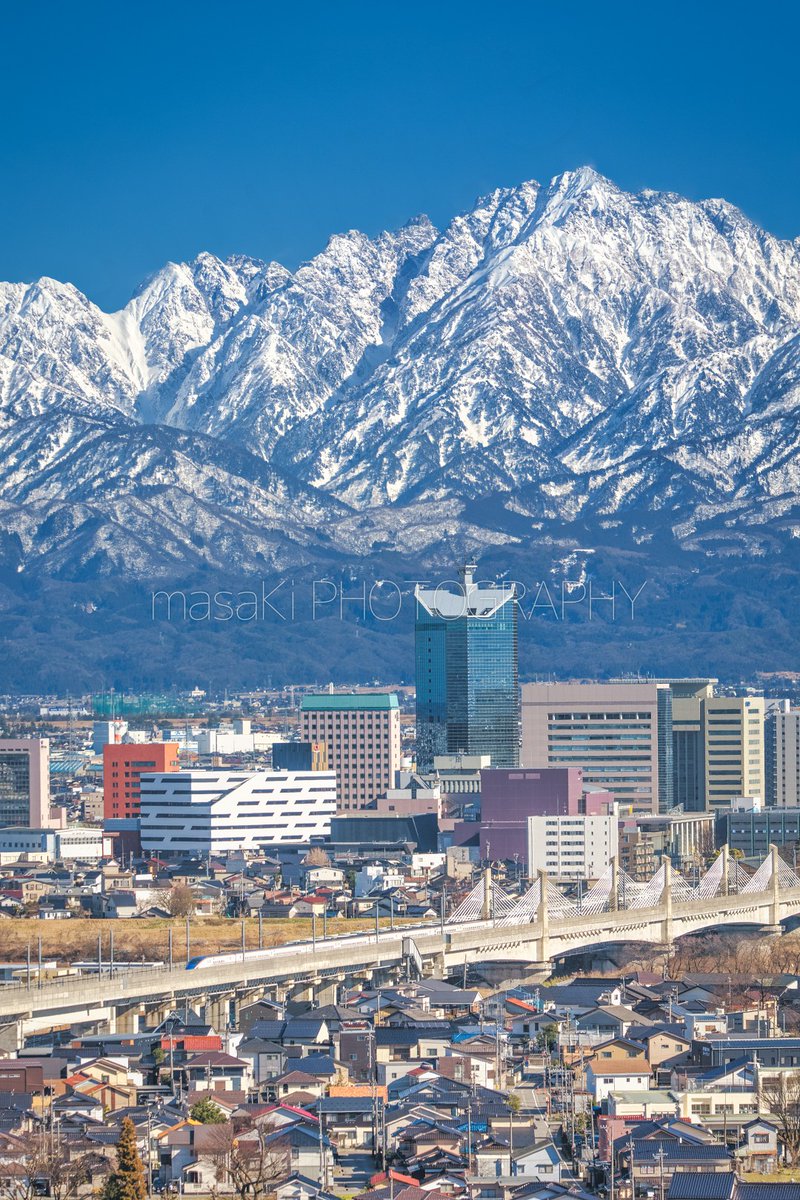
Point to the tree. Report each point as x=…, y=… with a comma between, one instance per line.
x=549, y=1036
x=179, y=900
x=159, y=1058
x=250, y=1160
x=42, y=1161
x=206, y=1112
x=706, y=847
x=316, y=857
x=780, y=1095
x=128, y=1181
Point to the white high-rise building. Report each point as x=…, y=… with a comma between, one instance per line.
x=206, y=813
x=782, y=757
x=572, y=847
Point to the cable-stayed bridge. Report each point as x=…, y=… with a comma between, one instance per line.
x=488, y=926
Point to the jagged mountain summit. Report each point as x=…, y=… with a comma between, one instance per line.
x=560, y=357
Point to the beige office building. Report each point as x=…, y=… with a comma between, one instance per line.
x=733, y=733
x=362, y=735
x=620, y=734
x=25, y=782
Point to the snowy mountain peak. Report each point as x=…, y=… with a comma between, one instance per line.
x=571, y=351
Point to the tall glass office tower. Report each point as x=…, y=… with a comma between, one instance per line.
x=466, y=672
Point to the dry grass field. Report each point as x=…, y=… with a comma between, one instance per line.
x=75, y=940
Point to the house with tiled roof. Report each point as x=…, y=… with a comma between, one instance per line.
x=617, y=1075
x=217, y=1070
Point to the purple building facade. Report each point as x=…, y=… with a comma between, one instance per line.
x=510, y=796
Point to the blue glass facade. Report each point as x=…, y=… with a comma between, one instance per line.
x=665, y=751
x=467, y=679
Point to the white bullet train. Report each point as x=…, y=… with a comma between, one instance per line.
x=204, y=961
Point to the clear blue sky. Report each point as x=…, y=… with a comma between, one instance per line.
x=138, y=132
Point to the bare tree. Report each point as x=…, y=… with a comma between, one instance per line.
x=251, y=1160
x=38, y=1162
x=780, y=1095
x=706, y=847
x=316, y=857
x=179, y=900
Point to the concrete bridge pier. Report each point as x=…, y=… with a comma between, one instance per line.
x=383, y=978
x=362, y=980
x=128, y=1020
x=222, y=1010
x=436, y=967
x=667, y=936
x=775, y=895
x=11, y=1037
x=154, y=1014
x=504, y=976
x=304, y=990
x=326, y=990
x=543, y=918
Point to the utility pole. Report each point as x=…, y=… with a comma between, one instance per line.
x=659, y=1157
x=469, y=1135
x=149, y=1159
x=323, y=1158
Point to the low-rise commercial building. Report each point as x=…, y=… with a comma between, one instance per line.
x=72, y=842
x=685, y=837
x=574, y=847
x=299, y=756
x=752, y=832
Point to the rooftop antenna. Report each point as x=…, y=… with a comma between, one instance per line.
x=468, y=572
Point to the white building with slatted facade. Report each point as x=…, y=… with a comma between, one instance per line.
x=205, y=813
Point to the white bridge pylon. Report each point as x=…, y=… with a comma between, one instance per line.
x=615, y=890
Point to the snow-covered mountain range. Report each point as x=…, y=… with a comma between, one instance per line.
x=561, y=356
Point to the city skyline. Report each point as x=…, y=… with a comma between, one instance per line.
x=399, y=527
